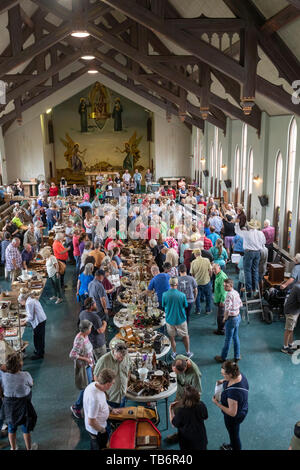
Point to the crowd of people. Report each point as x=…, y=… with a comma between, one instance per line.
x=192, y=239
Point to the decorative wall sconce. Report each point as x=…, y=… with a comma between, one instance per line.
x=256, y=179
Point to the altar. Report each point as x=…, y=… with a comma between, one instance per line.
x=91, y=176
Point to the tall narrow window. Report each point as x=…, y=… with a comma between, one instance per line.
x=277, y=196
x=244, y=160
x=250, y=184
x=290, y=183
x=212, y=158
x=220, y=168
x=237, y=174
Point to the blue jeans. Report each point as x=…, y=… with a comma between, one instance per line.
x=137, y=186
x=251, y=265
x=13, y=429
x=206, y=292
x=232, y=333
x=78, y=262
x=188, y=311
x=233, y=428
x=79, y=403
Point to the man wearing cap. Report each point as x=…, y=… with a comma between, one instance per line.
x=174, y=304
x=253, y=241
x=201, y=270
x=119, y=361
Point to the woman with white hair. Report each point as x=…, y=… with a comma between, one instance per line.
x=60, y=253
x=172, y=258
x=37, y=319
x=52, y=267
x=269, y=233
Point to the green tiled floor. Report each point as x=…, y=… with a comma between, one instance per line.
x=274, y=404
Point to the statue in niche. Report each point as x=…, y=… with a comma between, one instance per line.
x=99, y=100
x=117, y=115
x=83, y=115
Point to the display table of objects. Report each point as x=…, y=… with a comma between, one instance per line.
x=142, y=342
x=156, y=398
x=170, y=181
x=154, y=319
x=11, y=315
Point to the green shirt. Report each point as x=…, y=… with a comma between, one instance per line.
x=220, y=293
x=118, y=390
x=192, y=376
x=163, y=228
x=17, y=221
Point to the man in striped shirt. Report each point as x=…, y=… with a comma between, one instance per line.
x=232, y=320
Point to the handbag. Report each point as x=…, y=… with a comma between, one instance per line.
x=61, y=267
x=81, y=379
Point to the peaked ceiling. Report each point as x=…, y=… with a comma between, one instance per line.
x=201, y=59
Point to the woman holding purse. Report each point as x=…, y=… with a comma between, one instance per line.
x=82, y=354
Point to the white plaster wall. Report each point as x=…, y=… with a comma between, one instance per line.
x=172, y=148
x=24, y=151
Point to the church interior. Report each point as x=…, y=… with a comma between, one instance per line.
x=199, y=103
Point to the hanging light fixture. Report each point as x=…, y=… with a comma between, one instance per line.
x=80, y=33
x=88, y=57
x=93, y=71
x=79, y=24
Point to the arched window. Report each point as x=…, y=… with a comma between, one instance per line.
x=290, y=183
x=220, y=168
x=212, y=160
x=237, y=174
x=250, y=183
x=244, y=160
x=277, y=195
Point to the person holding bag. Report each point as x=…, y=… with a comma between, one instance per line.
x=233, y=402
x=82, y=354
x=53, y=271
x=17, y=409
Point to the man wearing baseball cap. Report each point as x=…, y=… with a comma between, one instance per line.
x=174, y=304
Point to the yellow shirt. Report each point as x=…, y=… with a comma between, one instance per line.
x=200, y=270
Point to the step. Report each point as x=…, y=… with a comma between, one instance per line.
x=255, y=311
x=252, y=301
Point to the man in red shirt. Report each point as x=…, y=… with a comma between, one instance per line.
x=60, y=253
x=172, y=192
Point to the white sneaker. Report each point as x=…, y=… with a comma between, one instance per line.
x=53, y=298
x=59, y=301
x=34, y=446
x=17, y=448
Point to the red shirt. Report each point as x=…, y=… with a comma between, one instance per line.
x=76, y=250
x=58, y=247
x=152, y=233
x=207, y=243
x=109, y=239
x=53, y=191
x=172, y=192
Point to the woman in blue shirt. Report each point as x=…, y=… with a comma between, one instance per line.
x=219, y=254
x=83, y=282
x=233, y=403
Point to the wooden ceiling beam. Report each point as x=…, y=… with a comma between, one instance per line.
x=5, y=5
x=185, y=40
x=30, y=52
x=45, y=94
x=273, y=46
x=284, y=17
x=295, y=3
x=42, y=77
x=15, y=29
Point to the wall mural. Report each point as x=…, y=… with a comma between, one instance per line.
x=96, y=130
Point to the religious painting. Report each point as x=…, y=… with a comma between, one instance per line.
x=99, y=102
x=99, y=130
